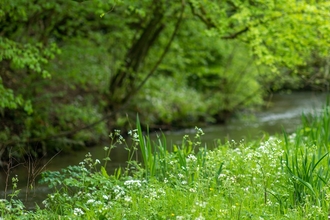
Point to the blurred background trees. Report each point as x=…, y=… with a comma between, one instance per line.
x=71, y=70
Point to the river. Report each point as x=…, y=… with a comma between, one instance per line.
x=283, y=112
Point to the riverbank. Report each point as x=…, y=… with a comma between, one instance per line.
x=284, y=112
x=276, y=177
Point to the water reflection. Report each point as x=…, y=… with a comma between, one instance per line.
x=284, y=112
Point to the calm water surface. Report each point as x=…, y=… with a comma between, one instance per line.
x=284, y=111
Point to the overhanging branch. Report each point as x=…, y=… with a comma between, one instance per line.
x=235, y=35
x=127, y=98
x=202, y=16
x=152, y=71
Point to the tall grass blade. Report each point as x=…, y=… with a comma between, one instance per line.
x=145, y=147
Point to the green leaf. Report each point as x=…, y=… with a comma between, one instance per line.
x=104, y=172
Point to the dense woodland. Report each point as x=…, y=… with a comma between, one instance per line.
x=72, y=70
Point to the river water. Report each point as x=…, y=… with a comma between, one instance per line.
x=283, y=112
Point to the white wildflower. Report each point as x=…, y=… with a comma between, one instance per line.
x=90, y=201
x=128, y=199
x=192, y=190
x=78, y=211
x=132, y=183
x=45, y=203
x=191, y=157
x=200, y=217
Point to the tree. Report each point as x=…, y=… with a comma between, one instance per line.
x=278, y=34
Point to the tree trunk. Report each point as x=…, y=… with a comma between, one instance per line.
x=124, y=81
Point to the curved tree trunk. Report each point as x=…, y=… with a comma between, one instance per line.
x=124, y=81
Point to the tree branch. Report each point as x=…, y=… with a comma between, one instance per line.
x=209, y=23
x=152, y=71
x=127, y=98
x=235, y=35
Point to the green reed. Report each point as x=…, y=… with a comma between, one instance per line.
x=307, y=160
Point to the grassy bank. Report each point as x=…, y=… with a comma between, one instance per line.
x=278, y=177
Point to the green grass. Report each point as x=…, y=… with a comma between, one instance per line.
x=281, y=177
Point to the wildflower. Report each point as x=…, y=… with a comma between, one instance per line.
x=78, y=211
x=15, y=181
x=192, y=190
x=161, y=191
x=131, y=183
x=117, y=132
x=87, y=195
x=153, y=195
x=135, y=137
x=90, y=201
x=200, y=217
x=191, y=158
x=97, y=203
x=45, y=203
x=120, y=139
x=105, y=197
x=224, y=211
x=128, y=199
x=221, y=175
x=119, y=191
x=201, y=204
x=199, y=131
x=88, y=155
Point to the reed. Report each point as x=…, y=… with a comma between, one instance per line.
x=307, y=160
